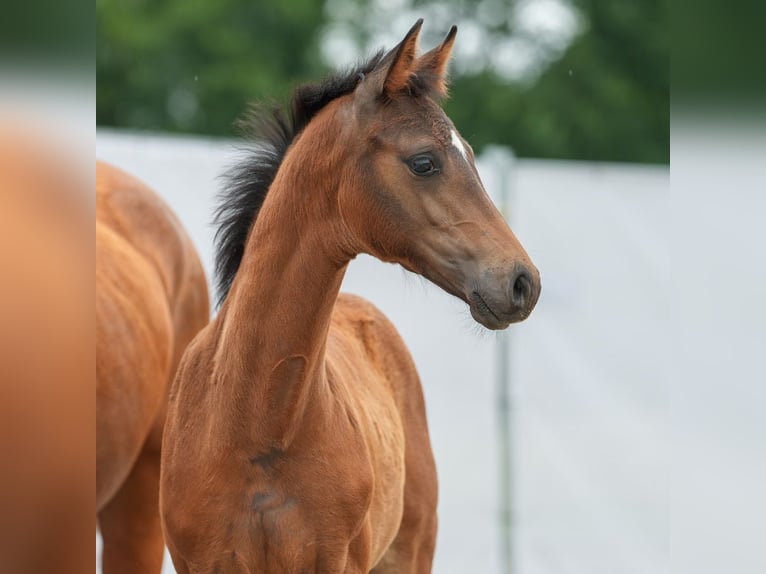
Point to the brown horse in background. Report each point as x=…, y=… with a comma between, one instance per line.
x=151, y=299
x=296, y=438
x=47, y=387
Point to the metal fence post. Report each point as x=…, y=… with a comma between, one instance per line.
x=504, y=396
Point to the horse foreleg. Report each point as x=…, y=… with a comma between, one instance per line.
x=412, y=550
x=130, y=523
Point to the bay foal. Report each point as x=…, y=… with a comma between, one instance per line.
x=296, y=438
x=151, y=299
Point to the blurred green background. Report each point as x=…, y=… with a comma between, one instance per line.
x=573, y=79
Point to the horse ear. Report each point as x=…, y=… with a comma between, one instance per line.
x=400, y=61
x=431, y=67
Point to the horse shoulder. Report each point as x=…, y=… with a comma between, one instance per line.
x=382, y=343
x=189, y=389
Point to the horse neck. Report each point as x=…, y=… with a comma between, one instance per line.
x=275, y=321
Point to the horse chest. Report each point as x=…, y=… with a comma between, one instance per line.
x=330, y=502
x=282, y=518
x=334, y=496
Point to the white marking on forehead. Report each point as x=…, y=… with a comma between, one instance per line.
x=457, y=142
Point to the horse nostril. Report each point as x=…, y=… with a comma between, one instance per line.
x=522, y=289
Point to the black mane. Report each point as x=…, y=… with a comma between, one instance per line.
x=270, y=131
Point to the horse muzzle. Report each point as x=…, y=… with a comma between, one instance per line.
x=499, y=299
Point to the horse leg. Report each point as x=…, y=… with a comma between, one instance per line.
x=130, y=523
x=412, y=550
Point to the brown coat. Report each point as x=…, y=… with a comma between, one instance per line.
x=151, y=299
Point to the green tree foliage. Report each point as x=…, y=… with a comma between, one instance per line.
x=192, y=66
x=606, y=98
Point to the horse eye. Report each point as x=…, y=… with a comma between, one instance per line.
x=422, y=165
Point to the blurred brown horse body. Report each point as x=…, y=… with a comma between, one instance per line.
x=151, y=299
x=296, y=438
x=47, y=387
